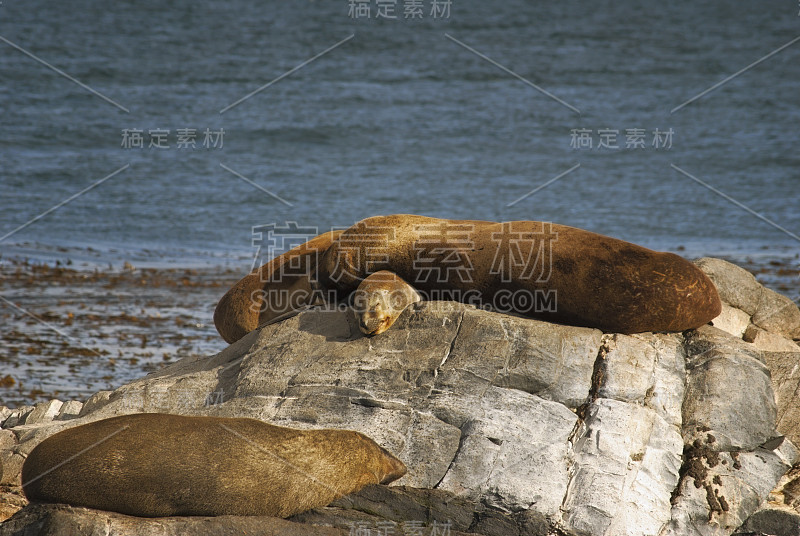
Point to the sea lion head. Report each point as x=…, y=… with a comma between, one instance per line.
x=379, y=301
x=375, y=311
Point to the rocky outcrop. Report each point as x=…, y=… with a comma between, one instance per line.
x=769, y=322
x=766, y=308
x=507, y=425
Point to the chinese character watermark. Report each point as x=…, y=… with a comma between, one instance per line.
x=439, y=265
x=439, y=252
x=366, y=252
x=272, y=240
x=608, y=138
x=159, y=138
x=662, y=139
x=405, y=528
x=391, y=9
x=520, y=252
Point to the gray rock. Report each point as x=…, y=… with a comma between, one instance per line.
x=729, y=393
x=736, y=286
x=773, y=520
x=502, y=460
x=96, y=401
x=43, y=412
x=63, y=520
x=414, y=511
x=732, y=320
x=11, y=501
x=740, y=289
x=643, y=368
x=626, y=465
x=551, y=361
x=17, y=417
x=766, y=341
x=7, y=439
x=725, y=488
x=70, y=410
x=778, y=314
x=786, y=385
x=11, y=460
x=507, y=425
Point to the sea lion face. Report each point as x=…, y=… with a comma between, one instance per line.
x=379, y=301
x=374, y=312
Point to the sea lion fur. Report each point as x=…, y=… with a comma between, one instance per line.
x=155, y=465
x=275, y=289
x=537, y=269
x=562, y=274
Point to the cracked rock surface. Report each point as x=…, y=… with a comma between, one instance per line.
x=508, y=426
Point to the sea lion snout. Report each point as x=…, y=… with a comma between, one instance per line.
x=368, y=326
x=391, y=477
x=372, y=322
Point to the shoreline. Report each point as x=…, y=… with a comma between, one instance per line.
x=73, y=331
x=70, y=333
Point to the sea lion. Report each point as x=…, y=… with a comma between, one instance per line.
x=280, y=287
x=537, y=269
x=155, y=465
x=380, y=299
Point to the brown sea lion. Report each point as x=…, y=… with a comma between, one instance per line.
x=277, y=288
x=155, y=465
x=542, y=270
x=537, y=269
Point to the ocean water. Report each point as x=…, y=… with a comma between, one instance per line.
x=483, y=111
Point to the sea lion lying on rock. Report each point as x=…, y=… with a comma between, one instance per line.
x=548, y=271
x=274, y=289
x=155, y=465
x=537, y=269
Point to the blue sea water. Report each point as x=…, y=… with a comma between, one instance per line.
x=473, y=113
